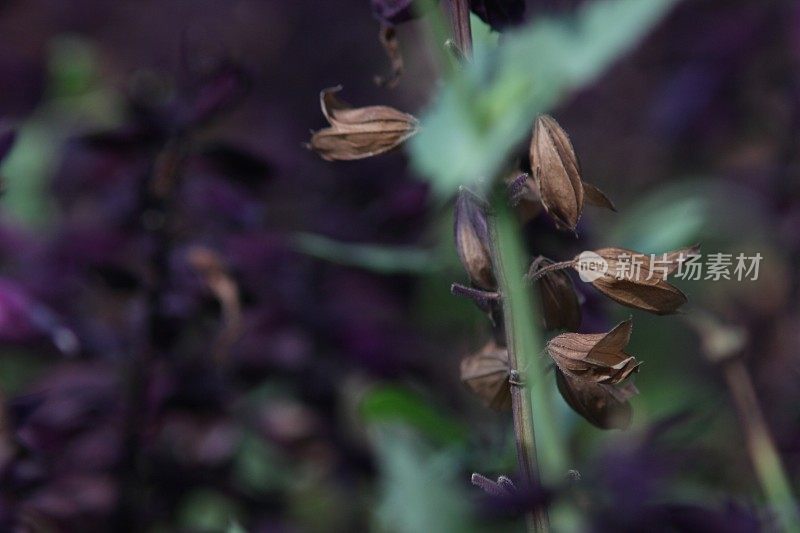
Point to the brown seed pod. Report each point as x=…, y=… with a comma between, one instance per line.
x=605, y=406
x=633, y=280
x=486, y=374
x=557, y=174
x=555, y=168
x=597, y=357
x=471, y=232
x=560, y=305
x=357, y=133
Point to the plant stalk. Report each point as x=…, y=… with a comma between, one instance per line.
x=761, y=447
x=503, y=262
x=462, y=28
x=522, y=342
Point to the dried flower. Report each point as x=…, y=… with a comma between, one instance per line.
x=561, y=308
x=605, y=406
x=472, y=240
x=557, y=172
x=634, y=280
x=357, y=133
x=555, y=167
x=486, y=374
x=597, y=357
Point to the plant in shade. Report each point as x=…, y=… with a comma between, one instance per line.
x=593, y=371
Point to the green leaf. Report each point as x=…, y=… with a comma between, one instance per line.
x=688, y=211
x=395, y=404
x=487, y=109
x=419, y=492
x=383, y=259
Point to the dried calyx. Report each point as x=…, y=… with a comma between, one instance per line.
x=486, y=373
x=633, y=279
x=471, y=231
x=597, y=357
x=630, y=278
x=358, y=133
x=605, y=406
x=591, y=371
x=560, y=306
x=557, y=175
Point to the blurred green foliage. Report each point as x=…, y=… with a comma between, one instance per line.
x=486, y=109
x=392, y=405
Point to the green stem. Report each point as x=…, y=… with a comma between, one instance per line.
x=766, y=461
x=539, y=451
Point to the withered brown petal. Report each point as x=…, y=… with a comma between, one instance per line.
x=358, y=133
x=560, y=305
x=486, y=374
x=660, y=299
x=605, y=406
x=471, y=232
x=556, y=170
x=598, y=357
x=642, y=287
x=597, y=197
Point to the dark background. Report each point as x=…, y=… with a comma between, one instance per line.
x=125, y=407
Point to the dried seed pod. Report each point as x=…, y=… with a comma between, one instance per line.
x=560, y=305
x=632, y=279
x=472, y=241
x=486, y=374
x=605, y=406
x=597, y=357
x=555, y=168
x=357, y=133
x=558, y=175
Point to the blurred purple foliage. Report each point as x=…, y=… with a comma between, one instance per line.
x=141, y=397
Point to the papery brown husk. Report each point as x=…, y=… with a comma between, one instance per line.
x=597, y=357
x=357, y=133
x=654, y=295
x=560, y=306
x=596, y=197
x=604, y=406
x=471, y=232
x=556, y=170
x=486, y=374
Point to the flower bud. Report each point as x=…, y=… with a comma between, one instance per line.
x=486, y=374
x=358, y=133
x=597, y=357
x=472, y=241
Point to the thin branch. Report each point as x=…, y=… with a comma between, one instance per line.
x=521, y=405
x=760, y=446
